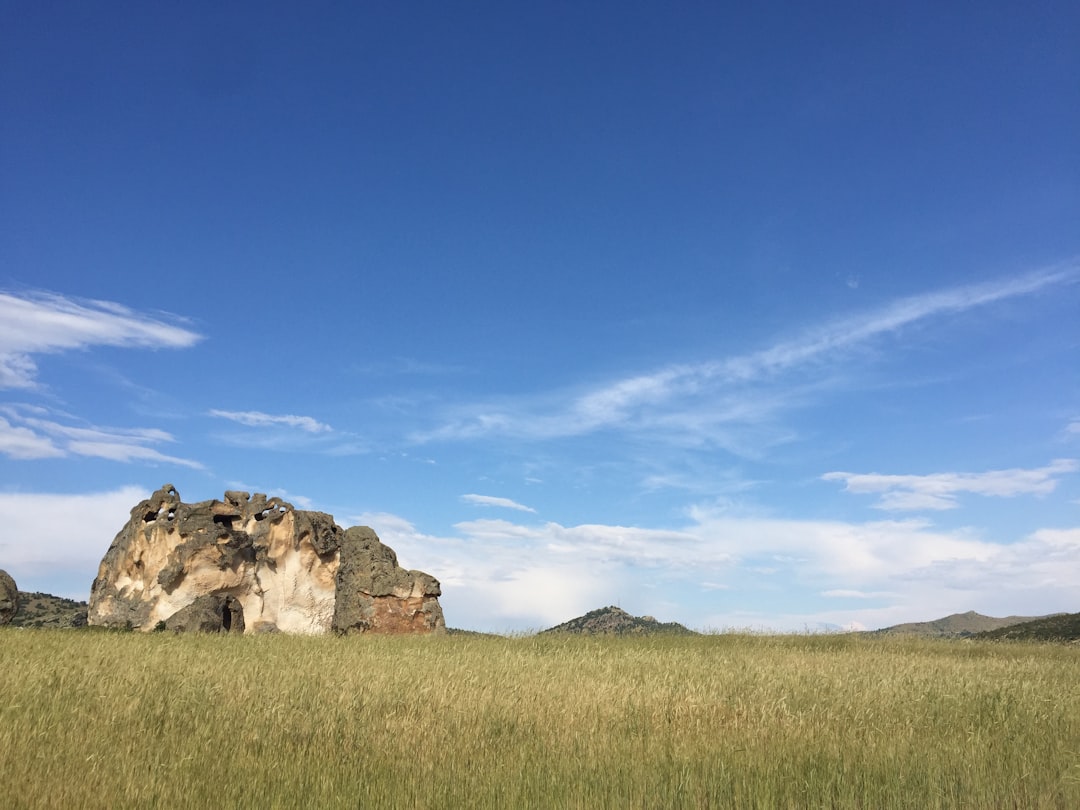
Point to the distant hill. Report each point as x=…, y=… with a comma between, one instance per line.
x=45, y=610
x=1059, y=627
x=617, y=622
x=958, y=625
x=457, y=631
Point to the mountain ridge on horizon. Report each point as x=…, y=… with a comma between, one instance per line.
x=958, y=625
x=40, y=609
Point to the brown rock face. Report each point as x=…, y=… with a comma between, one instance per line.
x=9, y=598
x=252, y=564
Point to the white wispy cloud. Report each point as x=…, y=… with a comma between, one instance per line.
x=702, y=401
x=402, y=366
x=629, y=545
x=844, y=593
x=714, y=586
x=94, y=434
x=25, y=435
x=22, y=443
x=127, y=451
x=288, y=433
x=916, y=570
x=490, y=500
x=260, y=419
x=55, y=541
x=939, y=491
x=849, y=332
x=45, y=323
x=498, y=574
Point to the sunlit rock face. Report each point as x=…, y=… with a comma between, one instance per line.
x=252, y=564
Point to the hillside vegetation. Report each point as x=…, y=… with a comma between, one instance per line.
x=1062, y=627
x=617, y=622
x=45, y=610
x=958, y=625
x=113, y=719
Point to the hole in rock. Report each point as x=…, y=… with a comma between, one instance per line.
x=232, y=615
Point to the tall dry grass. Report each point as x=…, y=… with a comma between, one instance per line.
x=126, y=720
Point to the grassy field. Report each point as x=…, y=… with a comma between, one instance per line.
x=98, y=719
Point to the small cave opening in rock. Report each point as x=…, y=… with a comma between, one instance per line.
x=232, y=616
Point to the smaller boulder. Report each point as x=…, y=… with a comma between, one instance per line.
x=9, y=598
x=211, y=613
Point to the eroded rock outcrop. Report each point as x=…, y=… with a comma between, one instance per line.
x=9, y=598
x=252, y=564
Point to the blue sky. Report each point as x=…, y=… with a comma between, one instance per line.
x=740, y=318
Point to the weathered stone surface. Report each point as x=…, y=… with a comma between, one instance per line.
x=375, y=594
x=9, y=598
x=212, y=613
x=255, y=564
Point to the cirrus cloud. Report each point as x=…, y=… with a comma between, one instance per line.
x=46, y=323
x=701, y=403
x=490, y=500
x=939, y=491
x=260, y=419
x=29, y=433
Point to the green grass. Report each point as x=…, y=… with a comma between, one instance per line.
x=97, y=719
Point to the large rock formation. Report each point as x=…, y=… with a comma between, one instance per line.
x=9, y=598
x=253, y=564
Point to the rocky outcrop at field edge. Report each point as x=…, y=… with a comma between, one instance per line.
x=9, y=598
x=613, y=621
x=253, y=564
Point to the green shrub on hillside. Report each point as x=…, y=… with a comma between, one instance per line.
x=1063, y=627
